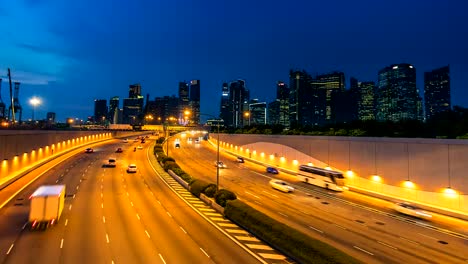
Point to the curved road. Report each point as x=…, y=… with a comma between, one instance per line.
x=361, y=226
x=111, y=216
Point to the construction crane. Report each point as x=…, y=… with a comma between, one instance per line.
x=2, y=104
x=15, y=105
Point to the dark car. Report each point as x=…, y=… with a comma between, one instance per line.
x=119, y=150
x=272, y=170
x=89, y=150
x=240, y=159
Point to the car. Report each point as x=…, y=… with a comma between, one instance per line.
x=119, y=150
x=220, y=164
x=281, y=186
x=240, y=159
x=125, y=140
x=111, y=162
x=197, y=141
x=272, y=170
x=189, y=139
x=143, y=141
x=132, y=168
x=89, y=150
x=136, y=139
x=177, y=145
x=411, y=210
x=139, y=147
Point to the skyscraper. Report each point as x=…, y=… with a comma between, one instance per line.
x=195, y=101
x=113, y=115
x=224, y=111
x=437, y=91
x=398, y=97
x=50, y=118
x=100, y=111
x=133, y=106
x=282, y=95
x=366, y=101
x=184, y=98
x=333, y=84
x=257, y=113
x=236, y=105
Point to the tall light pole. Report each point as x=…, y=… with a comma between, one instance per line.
x=247, y=114
x=217, y=149
x=34, y=102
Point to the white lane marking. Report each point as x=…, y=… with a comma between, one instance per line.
x=162, y=258
x=340, y=226
x=253, y=195
x=107, y=239
x=318, y=230
x=9, y=250
x=77, y=187
x=74, y=196
x=147, y=234
x=204, y=252
x=283, y=214
x=169, y=214
x=385, y=244
x=183, y=230
x=66, y=222
x=427, y=236
x=102, y=195
x=131, y=203
x=81, y=180
x=257, y=202
x=274, y=195
x=61, y=243
x=25, y=224
x=102, y=205
x=69, y=208
x=159, y=202
x=104, y=219
x=409, y=240
x=138, y=216
x=363, y=250
x=128, y=194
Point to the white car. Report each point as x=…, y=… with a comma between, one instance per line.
x=132, y=168
x=220, y=165
x=281, y=185
x=139, y=147
x=125, y=140
x=197, y=141
x=411, y=210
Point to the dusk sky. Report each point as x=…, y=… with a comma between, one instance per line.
x=69, y=53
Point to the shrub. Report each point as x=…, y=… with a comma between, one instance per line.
x=223, y=195
x=170, y=165
x=187, y=178
x=167, y=159
x=210, y=190
x=198, y=186
x=160, y=140
x=178, y=171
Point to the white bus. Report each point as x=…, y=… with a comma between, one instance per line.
x=327, y=179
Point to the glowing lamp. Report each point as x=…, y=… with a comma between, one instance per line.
x=376, y=178
x=408, y=184
x=350, y=173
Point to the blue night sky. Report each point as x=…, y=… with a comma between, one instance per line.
x=69, y=53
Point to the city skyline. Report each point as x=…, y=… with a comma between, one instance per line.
x=54, y=58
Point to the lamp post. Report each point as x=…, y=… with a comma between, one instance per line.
x=217, y=149
x=34, y=102
x=247, y=114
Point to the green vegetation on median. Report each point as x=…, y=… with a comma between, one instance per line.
x=291, y=242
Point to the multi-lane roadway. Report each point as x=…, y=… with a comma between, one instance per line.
x=361, y=226
x=112, y=216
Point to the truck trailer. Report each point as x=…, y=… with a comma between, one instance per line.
x=47, y=204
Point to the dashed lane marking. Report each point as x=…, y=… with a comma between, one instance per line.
x=247, y=238
x=272, y=256
x=257, y=246
x=227, y=225
x=237, y=231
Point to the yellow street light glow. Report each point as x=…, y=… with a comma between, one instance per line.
x=327, y=168
x=408, y=184
x=254, y=152
x=247, y=150
x=376, y=178
x=450, y=192
x=272, y=156
x=282, y=159
x=262, y=154
x=310, y=164
x=350, y=173
x=295, y=162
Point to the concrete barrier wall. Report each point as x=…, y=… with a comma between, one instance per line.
x=22, y=149
x=431, y=165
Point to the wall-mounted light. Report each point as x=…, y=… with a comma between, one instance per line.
x=350, y=173
x=408, y=184
x=295, y=162
x=282, y=159
x=262, y=154
x=310, y=164
x=272, y=156
x=327, y=168
x=450, y=192
x=376, y=178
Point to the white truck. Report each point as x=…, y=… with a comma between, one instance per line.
x=47, y=204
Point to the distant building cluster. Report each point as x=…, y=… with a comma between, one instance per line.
x=306, y=100
x=324, y=100
x=182, y=110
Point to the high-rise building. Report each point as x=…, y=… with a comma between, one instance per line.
x=282, y=95
x=236, y=105
x=134, y=91
x=257, y=114
x=195, y=101
x=366, y=101
x=50, y=118
x=273, y=113
x=333, y=84
x=184, y=99
x=133, y=106
x=113, y=115
x=397, y=96
x=100, y=111
x=437, y=91
x=224, y=112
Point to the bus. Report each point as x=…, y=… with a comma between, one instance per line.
x=328, y=179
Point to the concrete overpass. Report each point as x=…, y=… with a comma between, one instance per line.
x=430, y=172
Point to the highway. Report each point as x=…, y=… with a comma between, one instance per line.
x=361, y=226
x=112, y=216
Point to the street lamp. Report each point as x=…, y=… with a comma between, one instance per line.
x=34, y=102
x=217, y=149
x=247, y=114
x=168, y=133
